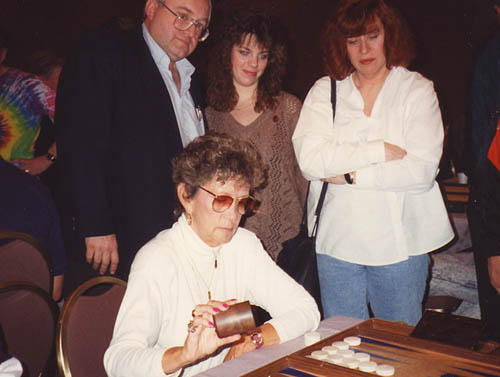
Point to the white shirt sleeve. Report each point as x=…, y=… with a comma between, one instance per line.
x=319, y=152
x=133, y=350
x=410, y=117
x=423, y=142
x=11, y=368
x=293, y=310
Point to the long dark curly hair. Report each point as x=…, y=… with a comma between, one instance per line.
x=221, y=93
x=351, y=18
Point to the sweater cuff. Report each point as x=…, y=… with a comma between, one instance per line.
x=287, y=329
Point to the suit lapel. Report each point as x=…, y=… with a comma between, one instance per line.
x=154, y=90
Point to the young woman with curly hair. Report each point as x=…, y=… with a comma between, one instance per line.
x=245, y=100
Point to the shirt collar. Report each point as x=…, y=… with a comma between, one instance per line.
x=162, y=60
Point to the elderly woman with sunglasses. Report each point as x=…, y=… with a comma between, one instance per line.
x=201, y=266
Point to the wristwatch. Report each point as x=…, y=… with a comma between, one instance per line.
x=50, y=157
x=348, y=178
x=257, y=339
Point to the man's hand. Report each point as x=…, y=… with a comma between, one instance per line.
x=33, y=166
x=494, y=271
x=102, y=252
x=393, y=152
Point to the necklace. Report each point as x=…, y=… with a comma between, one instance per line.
x=200, y=276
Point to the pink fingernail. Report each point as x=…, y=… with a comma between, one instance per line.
x=225, y=305
x=211, y=324
x=216, y=310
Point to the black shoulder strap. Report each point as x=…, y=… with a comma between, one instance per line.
x=333, y=96
x=321, y=200
x=197, y=95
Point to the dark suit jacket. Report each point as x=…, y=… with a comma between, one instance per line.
x=117, y=134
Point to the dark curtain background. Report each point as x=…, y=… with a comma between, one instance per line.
x=448, y=35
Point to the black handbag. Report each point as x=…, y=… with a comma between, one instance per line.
x=298, y=256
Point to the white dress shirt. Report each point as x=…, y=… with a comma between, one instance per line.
x=395, y=209
x=189, y=117
x=11, y=368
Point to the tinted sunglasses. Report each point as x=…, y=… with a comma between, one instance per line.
x=221, y=203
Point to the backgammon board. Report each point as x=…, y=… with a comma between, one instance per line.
x=387, y=343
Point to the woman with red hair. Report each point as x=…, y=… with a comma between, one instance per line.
x=383, y=210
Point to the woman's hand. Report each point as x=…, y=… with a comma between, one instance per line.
x=211, y=308
x=337, y=180
x=340, y=179
x=269, y=336
x=33, y=166
x=393, y=152
x=240, y=348
x=201, y=340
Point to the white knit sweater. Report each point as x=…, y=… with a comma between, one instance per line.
x=163, y=289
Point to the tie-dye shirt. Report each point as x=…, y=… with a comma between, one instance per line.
x=24, y=99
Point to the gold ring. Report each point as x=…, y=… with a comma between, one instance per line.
x=192, y=327
x=193, y=313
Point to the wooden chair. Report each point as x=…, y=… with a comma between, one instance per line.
x=86, y=326
x=28, y=318
x=24, y=258
x=455, y=195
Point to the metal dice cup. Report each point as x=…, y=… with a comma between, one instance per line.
x=238, y=319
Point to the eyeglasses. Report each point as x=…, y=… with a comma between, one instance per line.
x=183, y=22
x=222, y=203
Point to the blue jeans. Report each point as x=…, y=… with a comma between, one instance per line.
x=395, y=292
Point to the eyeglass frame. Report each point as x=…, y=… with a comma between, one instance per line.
x=257, y=203
x=192, y=22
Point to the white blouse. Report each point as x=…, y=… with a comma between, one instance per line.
x=395, y=209
x=163, y=289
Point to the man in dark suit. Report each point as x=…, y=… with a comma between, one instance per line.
x=126, y=106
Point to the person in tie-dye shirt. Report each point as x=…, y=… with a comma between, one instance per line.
x=24, y=100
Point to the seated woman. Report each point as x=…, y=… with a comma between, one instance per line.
x=200, y=267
